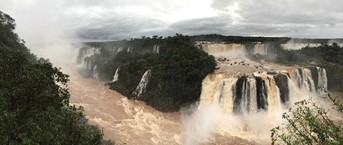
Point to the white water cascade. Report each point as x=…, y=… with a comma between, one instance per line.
x=141, y=87
x=260, y=48
x=322, y=80
x=245, y=97
x=129, y=49
x=156, y=49
x=261, y=91
x=120, y=49
x=225, y=50
x=95, y=71
x=305, y=79
x=116, y=75
x=86, y=53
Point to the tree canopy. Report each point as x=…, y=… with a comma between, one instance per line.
x=34, y=99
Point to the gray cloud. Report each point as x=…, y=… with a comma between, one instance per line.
x=108, y=19
x=288, y=18
x=119, y=28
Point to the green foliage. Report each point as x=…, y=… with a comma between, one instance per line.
x=308, y=123
x=326, y=56
x=177, y=73
x=131, y=72
x=34, y=99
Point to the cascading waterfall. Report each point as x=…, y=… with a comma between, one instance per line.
x=322, y=81
x=95, y=71
x=86, y=53
x=273, y=93
x=116, y=75
x=141, y=87
x=282, y=82
x=120, y=49
x=260, y=48
x=307, y=80
x=129, y=49
x=113, y=49
x=87, y=63
x=260, y=91
x=221, y=92
x=245, y=98
x=225, y=50
x=156, y=49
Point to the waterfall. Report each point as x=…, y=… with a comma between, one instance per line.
x=260, y=48
x=305, y=79
x=262, y=94
x=129, y=49
x=141, y=87
x=87, y=63
x=282, y=83
x=114, y=49
x=120, y=49
x=116, y=75
x=85, y=53
x=156, y=49
x=273, y=94
x=225, y=50
x=218, y=89
x=260, y=91
x=308, y=82
x=245, y=99
x=95, y=71
x=322, y=81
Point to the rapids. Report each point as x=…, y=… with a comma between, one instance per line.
x=132, y=122
x=122, y=120
x=240, y=102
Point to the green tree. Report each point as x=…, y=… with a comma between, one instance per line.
x=177, y=73
x=308, y=123
x=34, y=99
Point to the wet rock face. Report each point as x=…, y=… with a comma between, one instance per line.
x=262, y=94
x=238, y=94
x=314, y=72
x=250, y=95
x=282, y=83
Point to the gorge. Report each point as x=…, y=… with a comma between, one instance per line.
x=195, y=72
x=242, y=88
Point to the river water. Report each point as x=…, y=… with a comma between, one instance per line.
x=132, y=122
x=123, y=120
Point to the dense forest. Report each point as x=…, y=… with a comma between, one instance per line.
x=34, y=100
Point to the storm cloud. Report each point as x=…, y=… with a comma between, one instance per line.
x=85, y=20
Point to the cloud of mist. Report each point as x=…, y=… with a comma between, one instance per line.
x=203, y=124
x=48, y=31
x=200, y=123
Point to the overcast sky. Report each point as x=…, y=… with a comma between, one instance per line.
x=46, y=20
